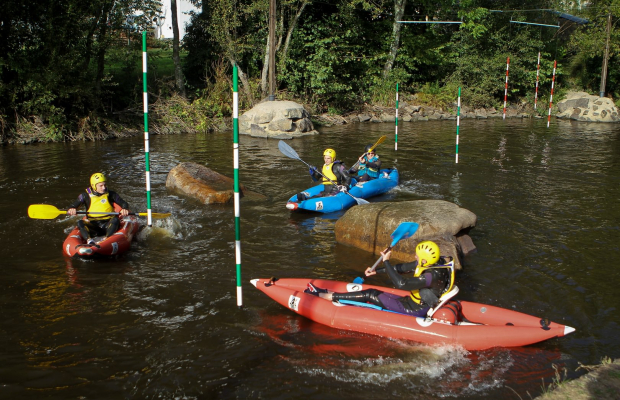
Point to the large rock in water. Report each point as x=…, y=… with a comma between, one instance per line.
x=582, y=106
x=369, y=227
x=204, y=184
x=276, y=120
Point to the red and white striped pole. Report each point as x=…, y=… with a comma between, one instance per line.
x=506, y=88
x=555, y=64
x=537, y=75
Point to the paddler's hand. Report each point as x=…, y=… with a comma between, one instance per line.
x=369, y=271
x=342, y=188
x=71, y=211
x=386, y=254
x=124, y=212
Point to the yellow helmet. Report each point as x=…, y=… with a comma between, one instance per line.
x=95, y=179
x=331, y=153
x=427, y=251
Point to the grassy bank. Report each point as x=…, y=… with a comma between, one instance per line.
x=602, y=382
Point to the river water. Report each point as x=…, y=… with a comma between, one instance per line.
x=162, y=321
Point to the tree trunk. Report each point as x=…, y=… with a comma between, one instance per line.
x=289, y=34
x=263, y=79
x=178, y=73
x=102, y=48
x=244, y=80
x=399, y=11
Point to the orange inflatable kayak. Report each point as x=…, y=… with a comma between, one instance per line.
x=473, y=326
x=118, y=243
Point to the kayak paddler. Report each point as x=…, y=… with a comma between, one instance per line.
x=368, y=165
x=98, y=199
x=333, y=171
x=430, y=280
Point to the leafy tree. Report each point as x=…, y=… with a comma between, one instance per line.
x=586, y=47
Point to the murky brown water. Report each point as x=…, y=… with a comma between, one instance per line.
x=162, y=321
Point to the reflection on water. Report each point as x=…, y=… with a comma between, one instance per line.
x=161, y=321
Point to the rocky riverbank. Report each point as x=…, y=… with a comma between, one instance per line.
x=285, y=119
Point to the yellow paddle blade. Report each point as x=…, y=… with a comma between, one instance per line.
x=381, y=139
x=43, y=211
x=154, y=215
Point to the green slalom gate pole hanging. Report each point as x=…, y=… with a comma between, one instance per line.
x=236, y=184
x=145, y=99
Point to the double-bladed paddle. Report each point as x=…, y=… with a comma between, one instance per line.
x=403, y=231
x=46, y=211
x=381, y=139
x=291, y=153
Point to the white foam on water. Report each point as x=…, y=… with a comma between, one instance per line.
x=166, y=228
x=440, y=371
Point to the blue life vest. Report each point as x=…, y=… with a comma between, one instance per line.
x=372, y=172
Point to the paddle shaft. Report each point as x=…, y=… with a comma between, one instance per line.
x=403, y=231
x=380, y=259
x=145, y=214
x=46, y=211
x=102, y=213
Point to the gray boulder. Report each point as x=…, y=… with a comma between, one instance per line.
x=581, y=106
x=368, y=227
x=276, y=120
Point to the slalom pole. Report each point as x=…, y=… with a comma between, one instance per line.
x=555, y=64
x=236, y=184
x=396, y=132
x=537, y=75
x=145, y=100
x=506, y=88
x=458, y=123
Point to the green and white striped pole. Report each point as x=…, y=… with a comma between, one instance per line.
x=236, y=184
x=458, y=123
x=396, y=120
x=145, y=99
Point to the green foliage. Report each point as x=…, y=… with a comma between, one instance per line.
x=323, y=65
x=65, y=65
x=586, y=48
x=436, y=95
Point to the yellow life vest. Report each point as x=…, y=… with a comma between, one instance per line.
x=415, y=294
x=328, y=173
x=99, y=203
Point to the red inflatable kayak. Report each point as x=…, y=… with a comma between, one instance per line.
x=118, y=243
x=471, y=325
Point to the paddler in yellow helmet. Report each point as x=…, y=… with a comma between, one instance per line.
x=98, y=199
x=432, y=277
x=334, y=176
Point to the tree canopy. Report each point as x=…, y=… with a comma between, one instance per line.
x=62, y=62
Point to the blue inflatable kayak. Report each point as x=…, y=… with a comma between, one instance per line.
x=388, y=179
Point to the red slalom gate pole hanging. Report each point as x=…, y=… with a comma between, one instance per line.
x=506, y=88
x=537, y=75
x=555, y=64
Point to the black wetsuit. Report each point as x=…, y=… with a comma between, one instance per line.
x=99, y=227
x=431, y=284
x=342, y=178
